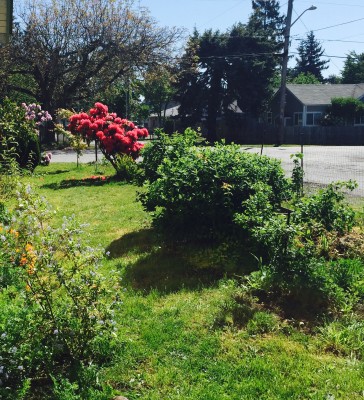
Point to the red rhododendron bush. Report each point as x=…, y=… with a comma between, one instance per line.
x=115, y=136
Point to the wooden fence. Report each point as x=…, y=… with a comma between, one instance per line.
x=251, y=132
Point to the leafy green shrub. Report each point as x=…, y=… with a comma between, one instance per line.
x=198, y=190
x=297, y=174
x=126, y=168
x=19, y=134
x=167, y=146
x=293, y=271
x=327, y=209
x=343, y=111
x=56, y=321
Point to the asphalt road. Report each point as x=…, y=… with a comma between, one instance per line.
x=322, y=164
x=69, y=156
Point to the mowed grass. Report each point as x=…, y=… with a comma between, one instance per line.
x=176, y=336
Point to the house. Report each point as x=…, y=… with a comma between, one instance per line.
x=6, y=12
x=306, y=104
x=170, y=112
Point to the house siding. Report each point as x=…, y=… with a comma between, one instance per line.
x=5, y=19
x=292, y=105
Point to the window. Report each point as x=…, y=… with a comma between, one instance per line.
x=359, y=120
x=297, y=119
x=313, y=118
x=269, y=117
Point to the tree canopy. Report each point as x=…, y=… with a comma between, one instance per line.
x=309, y=58
x=236, y=66
x=353, y=71
x=344, y=111
x=304, y=79
x=70, y=50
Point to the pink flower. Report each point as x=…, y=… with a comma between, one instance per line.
x=116, y=135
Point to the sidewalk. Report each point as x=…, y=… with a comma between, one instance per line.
x=69, y=156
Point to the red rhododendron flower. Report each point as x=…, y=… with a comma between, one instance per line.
x=100, y=135
x=115, y=135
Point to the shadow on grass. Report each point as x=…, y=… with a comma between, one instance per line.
x=57, y=172
x=94, y=180
x=155, y=264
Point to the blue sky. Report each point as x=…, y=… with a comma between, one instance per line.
x=337, y=24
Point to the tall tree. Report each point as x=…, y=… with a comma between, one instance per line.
x=238, y=65
x=353, y=71
x=158, y=89
x=202, y=80
x=309, y=58
x=213, y=64
x=74, y=49
x=266, y=21
x=124, y=97
x=253, y=56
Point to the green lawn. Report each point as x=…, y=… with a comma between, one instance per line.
x=176, y=331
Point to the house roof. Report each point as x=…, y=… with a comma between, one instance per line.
x=319, y=94
x=171, y=110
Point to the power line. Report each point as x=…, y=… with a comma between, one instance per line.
x=324, y=55
x=341, y=4
x=334, y=40
x=334, y=26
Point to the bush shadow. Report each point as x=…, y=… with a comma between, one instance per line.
x=86, y=182
x=57, y=172
x=162, y=265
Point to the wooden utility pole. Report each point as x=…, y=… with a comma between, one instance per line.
x=282, y=104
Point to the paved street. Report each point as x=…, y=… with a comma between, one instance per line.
x=70, y=156
x=322, y=164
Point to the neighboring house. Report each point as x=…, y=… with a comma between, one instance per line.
x=307, y=104
x=6, y=12
x=171, y=111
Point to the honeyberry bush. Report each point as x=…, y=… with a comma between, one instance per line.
x=223, y=193
x=197, y=190
x=56, y=325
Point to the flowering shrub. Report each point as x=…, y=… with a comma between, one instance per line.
x=18, y=136
x=34, y=112
x=46, y=159
x=116, y=136
x=55, y=323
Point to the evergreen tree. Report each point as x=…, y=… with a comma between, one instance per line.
x=353, y=71
x=213, y=63
x=309, y=59
x=333, y=79
x=255, y=62
x=190, y=89
x=239, y=65
x=266, y=22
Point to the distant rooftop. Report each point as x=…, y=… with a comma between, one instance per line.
x=320, y=94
